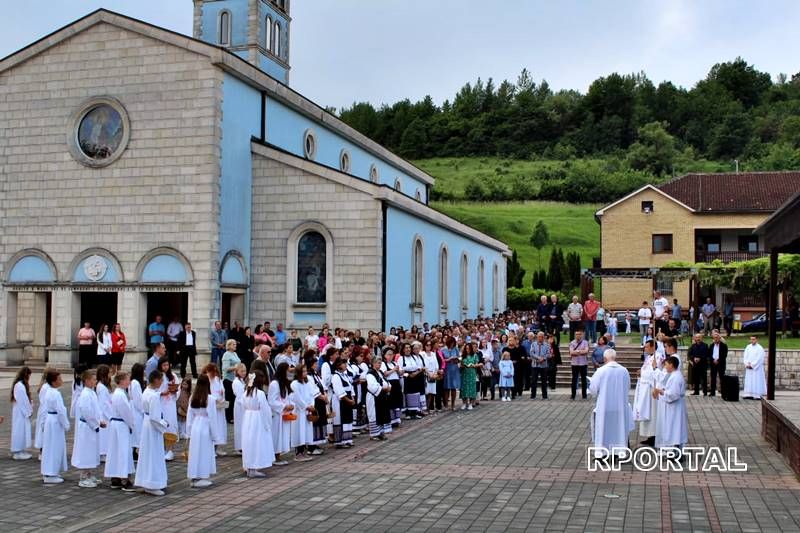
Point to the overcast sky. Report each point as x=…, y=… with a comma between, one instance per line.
x=385, y=50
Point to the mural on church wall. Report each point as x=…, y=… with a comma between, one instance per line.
x=311, y=275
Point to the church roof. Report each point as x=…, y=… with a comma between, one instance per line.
x=733, y=192
x=229, y=62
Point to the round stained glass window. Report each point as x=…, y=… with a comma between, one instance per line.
x=100, y=132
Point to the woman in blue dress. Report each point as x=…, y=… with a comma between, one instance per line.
x=452, y=372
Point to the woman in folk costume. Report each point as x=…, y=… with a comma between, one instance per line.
x=327, y=370
x=218, y=391
x=358, y=379
x=119, y=460
x=342, y=402
x=321, y=404
x=41, y=414
x=257, y=449
x=86, y=447
x=21, y=415
x=135, y=390
x=56, y=425
x=364, y=367
x=103, y=390
x=412, y=370
x=280, y=401
x=645, y=408
x=304, y=392
x=201, y=426
x=392, y=372
x=238, y=386
x=151, y=469
x=170, y=386
x=378, y=390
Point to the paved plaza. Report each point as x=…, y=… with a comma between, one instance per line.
x=518, y=466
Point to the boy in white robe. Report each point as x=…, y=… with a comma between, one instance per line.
x=21, y=415
x=612, y=417
x=119, y=458
x=56, y=425
x=755, y=384
x=672, y=424
x=86, y=447
x=645, y=407
x=151, y=470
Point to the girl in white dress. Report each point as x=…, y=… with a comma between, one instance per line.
x=238, y=386
x=304, y=393
x=342, y=402
x=432, y=375
x=151, y=470
x=21, y=415
x=119, y=460
x=280, y=401
x=103, y=390
x=86, y=446
x=41, y=414
x=257, y=449
x=56, y=425
x=169, y=400
x=200, y=424
x=135, y=396
x=219, y=421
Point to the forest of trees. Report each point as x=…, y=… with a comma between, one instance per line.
x=643, y=131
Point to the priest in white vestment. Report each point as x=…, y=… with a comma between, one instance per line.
x=755, y=384
x=612, y=419
x=644, y=406
x=672, y=423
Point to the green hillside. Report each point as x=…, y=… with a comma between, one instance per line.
x=572, y=227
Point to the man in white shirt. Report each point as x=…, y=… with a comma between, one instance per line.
x=575, y=314
x=644, y=314
x=755, y=384
x=660, y=311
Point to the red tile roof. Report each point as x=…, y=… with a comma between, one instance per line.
x=745, y=191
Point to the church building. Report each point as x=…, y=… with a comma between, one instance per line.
x=144, y=172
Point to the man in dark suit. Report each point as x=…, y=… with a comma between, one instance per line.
x=718, y=355
x=187, y=349
x=698, y=356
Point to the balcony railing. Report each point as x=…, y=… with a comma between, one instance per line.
x=728, y=257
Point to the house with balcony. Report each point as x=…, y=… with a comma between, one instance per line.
x=691, y=219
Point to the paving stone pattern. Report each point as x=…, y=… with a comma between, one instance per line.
x=502, y=467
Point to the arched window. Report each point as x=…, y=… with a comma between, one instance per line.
x=418, y=195
x=276, y=49
x=398, y=186
x=268, y=34
x=443, y=278
x=495, y=289
x=311, y=268
x=373, y=174
x=225, y=28
x=481, y=286
x=464, y=281
x=417, y=262
x=344, y=161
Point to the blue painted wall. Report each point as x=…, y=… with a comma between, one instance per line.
x=273, y=68
x=286, y=128
x=402, y=228
x=241, y=120
x=164, y=268
x=210, y=21
x=30, y=269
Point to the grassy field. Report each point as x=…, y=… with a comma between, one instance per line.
x=453, y=173
x=572, y=227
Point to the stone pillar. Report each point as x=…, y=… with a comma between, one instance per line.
x=37, y=350
x=10, y=351
x=66, y=308
x=131, y=307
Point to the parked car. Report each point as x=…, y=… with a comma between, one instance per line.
x=621, y=321
x=759, y=323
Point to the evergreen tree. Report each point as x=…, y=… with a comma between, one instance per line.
x=514, y=272
x=555, y=274
x=574, y=269
x=540, y=238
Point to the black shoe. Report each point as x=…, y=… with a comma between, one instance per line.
x=116, y=484
x=695, y=394
x=127, y=486
x=713, y=394
x=572, y=397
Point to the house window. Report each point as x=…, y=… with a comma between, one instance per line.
x=398, y=186
x=748, y=243
x=443, y=278
x=481, y=285
x=665, y=286
x=268, y=34
x=417, y=265
x=276, y=48
x=647, y=207
x=373, y=174
x=344, y=161
x=311, y=268
x=662, y=243
x=309, y=144
x=225, y=28
x=464, y=293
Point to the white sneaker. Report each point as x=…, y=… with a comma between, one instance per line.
x=280, y=463
x=169, y=456
x=318, y=451
x=201, y=483
x=87, y=483
x=469, y=408
x=21, y=456
x=52, y=480
x=255, y=473
x=463, y=407
x=221, y=452
x=155, y=492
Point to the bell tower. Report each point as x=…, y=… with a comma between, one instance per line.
x=255, y=30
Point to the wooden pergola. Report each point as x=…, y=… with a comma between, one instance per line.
x=781, y=233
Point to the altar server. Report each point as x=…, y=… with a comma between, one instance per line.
x=257, y=448
x=644, y=406
x=280, y=401
x=755, y=384
x=304, y=393
x=151, y=470
x=672, y=421
x=119, y=460
x=201, y=426
x=239, y=384
x=88, y=421
x=56, y=425
x=103, y=390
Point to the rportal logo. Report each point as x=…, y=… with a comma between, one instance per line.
x=670, y=459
